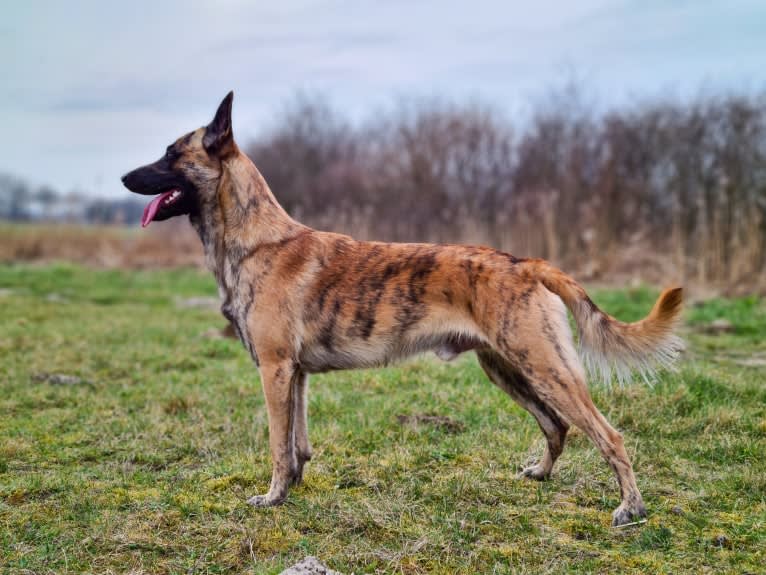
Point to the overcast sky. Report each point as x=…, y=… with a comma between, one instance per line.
x=92, y=89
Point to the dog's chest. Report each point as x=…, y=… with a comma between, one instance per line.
x=238, y=301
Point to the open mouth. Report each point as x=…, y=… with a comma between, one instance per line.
x=159, y=203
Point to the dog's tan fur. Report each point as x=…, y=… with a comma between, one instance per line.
x=305, y=301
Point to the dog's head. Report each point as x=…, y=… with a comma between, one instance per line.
x=186, y=177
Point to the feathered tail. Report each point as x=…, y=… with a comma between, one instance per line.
x=611, y=347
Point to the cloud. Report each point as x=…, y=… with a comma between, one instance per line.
x=92, y=86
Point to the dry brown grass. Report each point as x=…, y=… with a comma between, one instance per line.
x=171, y=244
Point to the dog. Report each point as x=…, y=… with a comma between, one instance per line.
x=304, y=301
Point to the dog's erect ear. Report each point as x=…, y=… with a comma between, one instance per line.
x=218, y=139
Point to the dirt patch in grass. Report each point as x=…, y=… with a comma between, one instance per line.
x=428, y=419
x=59, y=379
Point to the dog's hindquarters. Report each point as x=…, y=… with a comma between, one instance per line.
x=536, y=363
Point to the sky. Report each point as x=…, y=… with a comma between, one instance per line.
x=92, y=89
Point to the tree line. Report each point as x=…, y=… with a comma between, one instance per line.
x=674, y=186
x=22, y=202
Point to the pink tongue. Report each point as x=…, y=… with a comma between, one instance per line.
x=151, y=208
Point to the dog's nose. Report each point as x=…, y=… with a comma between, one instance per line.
x=124, y=178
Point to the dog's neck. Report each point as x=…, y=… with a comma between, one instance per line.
x=243, y=216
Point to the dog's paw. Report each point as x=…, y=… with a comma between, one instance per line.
x=536, y=472
x=296, y=467
x=624, y=515
x=296, y=476
x=267, y=500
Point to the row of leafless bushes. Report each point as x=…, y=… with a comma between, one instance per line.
x=665, y=189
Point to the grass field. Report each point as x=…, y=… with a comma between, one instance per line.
x=144, y=466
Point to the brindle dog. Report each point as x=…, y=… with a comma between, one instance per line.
x=305, y=301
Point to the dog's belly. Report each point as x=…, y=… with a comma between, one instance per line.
x=355, y=354
x=453, y=347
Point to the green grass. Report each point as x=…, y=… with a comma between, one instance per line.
x=146, y=468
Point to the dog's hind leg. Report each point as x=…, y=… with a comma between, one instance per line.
x=515, y=384
x=301, y=450
x=279, y=383
x=577, y=406
x=545, y=355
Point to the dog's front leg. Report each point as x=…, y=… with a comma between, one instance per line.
x=277, y=379
x=300, y=429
